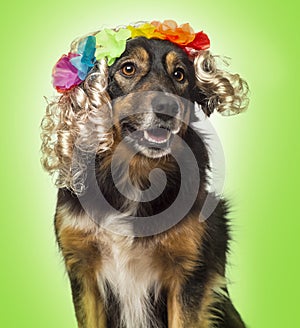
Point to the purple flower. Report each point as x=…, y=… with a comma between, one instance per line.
x=65, y=75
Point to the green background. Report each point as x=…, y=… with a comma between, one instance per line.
x=261, y=147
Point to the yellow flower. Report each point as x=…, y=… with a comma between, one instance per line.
x=146, y=30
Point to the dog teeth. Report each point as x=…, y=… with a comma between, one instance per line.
x=157, y=139
x=176, y=131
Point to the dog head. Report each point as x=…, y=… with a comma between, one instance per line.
x=151, y=86
x=136, y=84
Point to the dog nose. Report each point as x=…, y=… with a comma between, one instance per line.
x=165, y=107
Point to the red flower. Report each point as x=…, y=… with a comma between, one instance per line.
x=182, y=35
x=201, y=42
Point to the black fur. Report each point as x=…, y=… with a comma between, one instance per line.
x=215, y=245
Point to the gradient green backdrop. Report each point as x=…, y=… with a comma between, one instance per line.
x=261, y=147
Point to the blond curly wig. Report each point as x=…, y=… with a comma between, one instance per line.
x=74, y=118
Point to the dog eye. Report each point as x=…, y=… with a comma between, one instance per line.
x=179, y=75
x=128, y=69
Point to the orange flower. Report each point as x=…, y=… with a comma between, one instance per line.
x=181, y=35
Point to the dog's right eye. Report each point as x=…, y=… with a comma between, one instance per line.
x=128, y=69
x=179, y=75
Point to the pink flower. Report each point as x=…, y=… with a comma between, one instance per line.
x=65, y=75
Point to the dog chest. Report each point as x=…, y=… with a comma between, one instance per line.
x=128, y=271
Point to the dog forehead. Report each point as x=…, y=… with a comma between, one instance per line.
x=155, y=50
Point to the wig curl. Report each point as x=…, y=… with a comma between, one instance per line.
x=74, y=126
x=225, y=92
x=78, y=123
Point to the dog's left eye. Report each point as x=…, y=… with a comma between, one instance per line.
x=179, y=75
x=128, y=69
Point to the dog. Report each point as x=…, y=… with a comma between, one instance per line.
x=113, y=134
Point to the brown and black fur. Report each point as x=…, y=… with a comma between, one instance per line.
x=189, y=258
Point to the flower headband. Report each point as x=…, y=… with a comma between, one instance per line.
x=72, y=69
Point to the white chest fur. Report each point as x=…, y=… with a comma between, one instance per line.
x=129, y=271
x=127, y=268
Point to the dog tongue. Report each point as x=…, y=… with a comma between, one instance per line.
x=157, y=135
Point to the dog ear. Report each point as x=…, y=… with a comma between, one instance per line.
x=217, y=89
x=206, y=103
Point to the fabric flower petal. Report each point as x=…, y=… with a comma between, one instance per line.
x=181, y=35
x=86, y=58
x=81, y=67
x=123, y=34
x=88, y=55
x=201, y=42
x=111, y=44
x=76, y=61
x=103, y=37
x=64, y=74
x=145, y=30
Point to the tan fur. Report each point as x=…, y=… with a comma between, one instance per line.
x=177, y=257
x=172, y=63
x=92, y=306
x=177, y=254
x=212, y=295
x=140, y=57
x=167, y=258
x=144, y=166
x=175, y=315
x=83, y=260
x=133, y=267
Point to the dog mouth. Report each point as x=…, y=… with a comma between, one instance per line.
x=154, y=138
x=155, y=142
x=157, y=136
x=152, y=142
